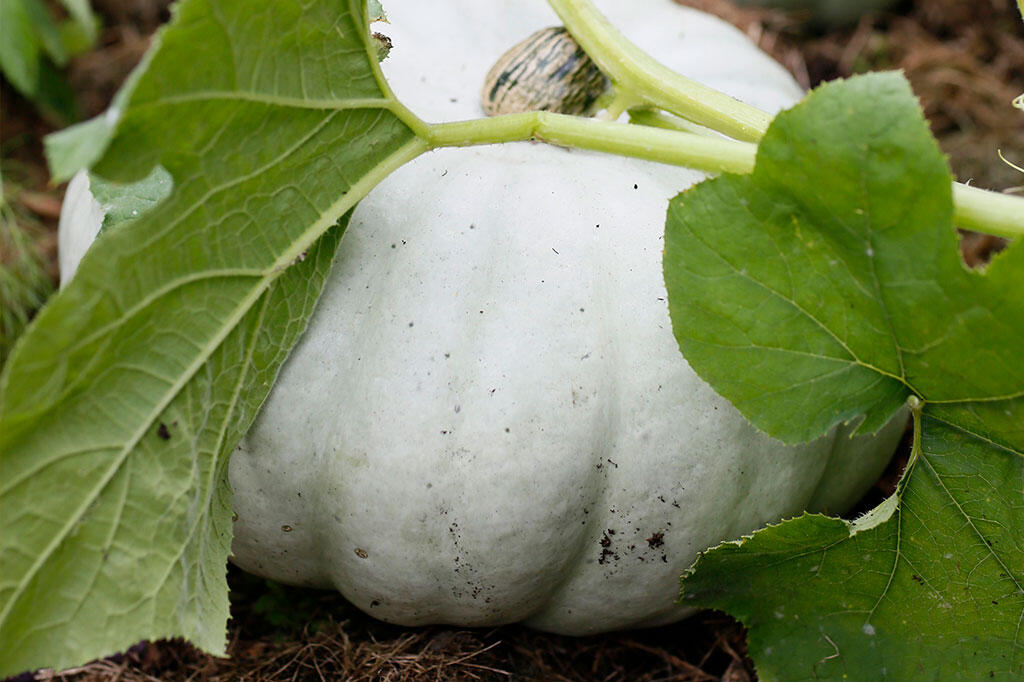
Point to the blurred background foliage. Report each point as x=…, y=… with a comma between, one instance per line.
x=37, y=42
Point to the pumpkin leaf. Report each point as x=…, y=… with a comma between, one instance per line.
x=122, y=203
x=928, y=585
x=120, y=404
x=817, y=306
x=827, y=285
x=375, y=12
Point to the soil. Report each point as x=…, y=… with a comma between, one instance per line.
x=964, y=58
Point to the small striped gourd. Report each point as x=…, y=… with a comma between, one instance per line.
x=546, y=72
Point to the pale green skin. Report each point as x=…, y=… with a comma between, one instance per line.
x=490, y=386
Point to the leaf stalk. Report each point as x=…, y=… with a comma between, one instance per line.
x=700, y=152
x=974, y=209
x=634, y=71
x=988, y=212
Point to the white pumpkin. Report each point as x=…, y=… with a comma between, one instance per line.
x=488, y=419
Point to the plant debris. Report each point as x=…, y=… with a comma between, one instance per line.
x=284, y=633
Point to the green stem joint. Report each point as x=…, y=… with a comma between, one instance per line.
x=696, y=135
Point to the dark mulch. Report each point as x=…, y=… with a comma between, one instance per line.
x=965, y=59
x=282, y=633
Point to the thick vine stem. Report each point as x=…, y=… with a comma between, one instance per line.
x=658, y=119
x=988, y=212
x=974, y=209
x=633, y=70
x=700, y=152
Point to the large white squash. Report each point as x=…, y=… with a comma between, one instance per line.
x=488, y=420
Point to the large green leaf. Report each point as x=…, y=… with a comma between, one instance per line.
x=827, y=284
x=928, y=586
x=120, y=404
x=127, y=203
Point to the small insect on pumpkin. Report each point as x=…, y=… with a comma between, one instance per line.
x=546, y=72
